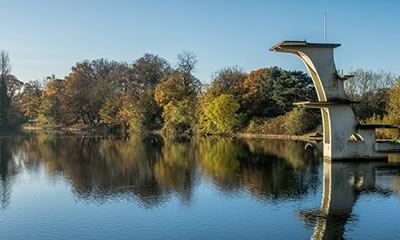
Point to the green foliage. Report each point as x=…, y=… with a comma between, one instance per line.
x=393, y=108
x=299, y=121
x=179, y=118
x=288, y=87
x=221, y=115
x=394, y=102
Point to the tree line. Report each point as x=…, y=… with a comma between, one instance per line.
x=152, y=94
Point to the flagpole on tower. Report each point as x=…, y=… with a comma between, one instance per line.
x=325, y=33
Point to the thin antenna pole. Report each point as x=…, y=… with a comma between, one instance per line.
x=325, y=33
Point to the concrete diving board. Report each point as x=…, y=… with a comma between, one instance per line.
x=323, y=104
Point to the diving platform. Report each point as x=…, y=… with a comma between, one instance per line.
x=343, y=135
x=322, y=104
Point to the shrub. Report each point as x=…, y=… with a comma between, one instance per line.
x=299, y=121
x=275, y=125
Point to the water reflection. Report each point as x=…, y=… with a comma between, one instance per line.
x=148, y=169
x=266, y=169
x=343, y=183
x=8, y=169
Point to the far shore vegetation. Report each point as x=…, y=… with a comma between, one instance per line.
x=151, y=94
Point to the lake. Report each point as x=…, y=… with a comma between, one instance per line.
x=59, y=186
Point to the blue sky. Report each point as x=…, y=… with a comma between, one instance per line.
x=46, y=37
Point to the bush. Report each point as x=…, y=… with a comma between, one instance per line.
x=296, y=122
x=275, y=125
x=299, y=121
x=384, y=133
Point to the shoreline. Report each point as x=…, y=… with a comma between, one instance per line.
x=103, y=129
x=278, y=137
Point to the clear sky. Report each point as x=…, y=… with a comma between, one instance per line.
x=46, y=37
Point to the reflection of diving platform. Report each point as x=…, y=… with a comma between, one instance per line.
x=343, y=182
x=344, y=137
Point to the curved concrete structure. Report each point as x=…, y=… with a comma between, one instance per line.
x=344, y=136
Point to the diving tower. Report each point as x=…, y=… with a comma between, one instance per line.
x=343, y=136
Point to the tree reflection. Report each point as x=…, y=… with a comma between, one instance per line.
x=266, y=169
x=150, y=170
x=9, y=168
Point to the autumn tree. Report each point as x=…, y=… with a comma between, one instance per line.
x=50, y=106
x=257, y=94
x=177, y=94
x=88, y=86
x=132, y=103
x=142, y=112
x=146, y=72
x=393, y=110
x=228, y=81
x=30, y=100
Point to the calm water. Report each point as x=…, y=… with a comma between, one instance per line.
x=74, y=187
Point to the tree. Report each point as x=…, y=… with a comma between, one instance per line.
x=181, y=84
x=371, y=89
x=186, y=66
x=50, y=107
x=393, y=110
x=147, y=71
x=31, y=99
x=179, y=118
x=170, y=89
x=5, y=71
x=109, y=111
x=289, y=87
x=394, y=101
x=258, y=92
x=220, y=115
x=299, y=121
x=14, y=87
x=228, y=81
x=177, y=94
x=88, y=86
x=140, y=112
